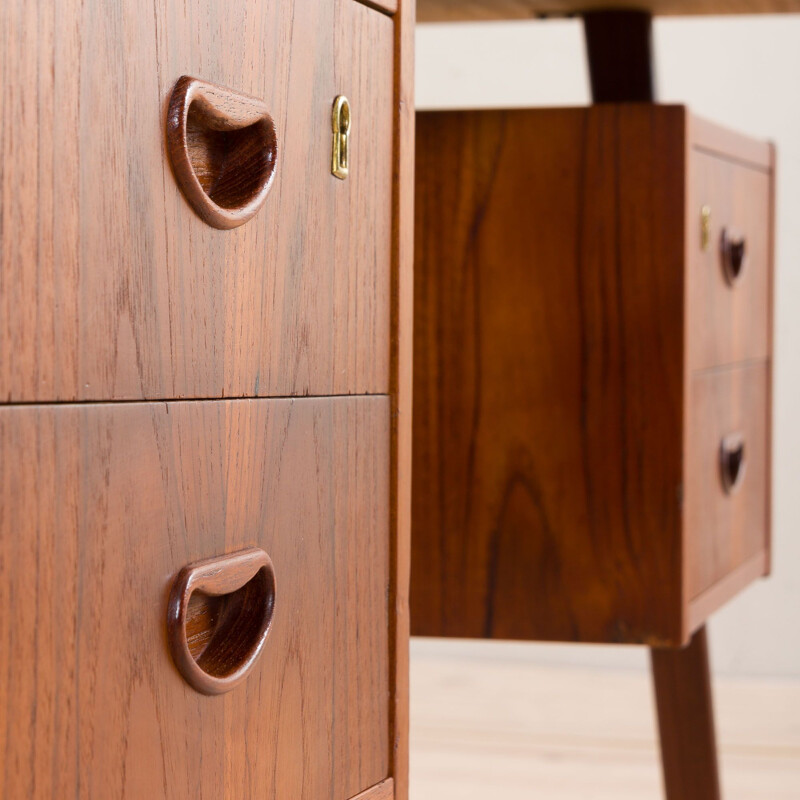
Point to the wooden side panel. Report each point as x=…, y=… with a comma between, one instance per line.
x=728, y=323
x=402, y=384
x=110, y=286
x=548, y=380
x=725, y=531
x=100, y=506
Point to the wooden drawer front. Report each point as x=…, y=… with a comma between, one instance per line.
x=111, y=284
x=100, y=506
x=728, y=321
x=725, y=530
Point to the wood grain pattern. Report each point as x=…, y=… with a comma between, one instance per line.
x=402, y=384
x=682, y=681
x=110, y=286
x=553, y=434
x=724, y=531
x=456, y=10
x=537, y=511
x=101, y=506
x=727, y=323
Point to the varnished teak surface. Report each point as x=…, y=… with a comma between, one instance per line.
x=534, y=510
x=111, y=286
x=402, y=384
x=551, y=495
x=101, y=506
x=727, y=324
x=725, y=532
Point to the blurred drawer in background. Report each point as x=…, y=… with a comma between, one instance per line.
x=567, y=480
x=727, y=480
x=728, y=243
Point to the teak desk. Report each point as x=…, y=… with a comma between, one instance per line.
x=593, y=361
x=205, y=398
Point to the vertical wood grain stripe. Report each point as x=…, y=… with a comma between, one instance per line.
x=383, y=791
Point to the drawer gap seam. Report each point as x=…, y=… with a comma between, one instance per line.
x=158, y=400
x=741, y=162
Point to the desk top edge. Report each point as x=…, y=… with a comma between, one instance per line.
x=474, y=10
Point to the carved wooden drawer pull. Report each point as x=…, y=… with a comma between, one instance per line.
x=218, y=618
x=223, y=148
x=732, y=461
x=734, y=252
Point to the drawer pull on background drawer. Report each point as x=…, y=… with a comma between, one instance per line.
x=734, y=250
x=705, y=227
x=218, y=618
x=732, y=461
x=223, y=149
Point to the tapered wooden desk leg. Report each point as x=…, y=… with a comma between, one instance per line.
x=619, y=50
x=686, y=720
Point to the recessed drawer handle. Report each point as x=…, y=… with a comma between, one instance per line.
x=218, y=618
x=732, y=461
x=734, y=252
x=223, y=149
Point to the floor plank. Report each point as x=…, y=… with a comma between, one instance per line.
x=499, y=727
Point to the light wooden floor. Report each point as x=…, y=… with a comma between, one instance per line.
x=492, y=728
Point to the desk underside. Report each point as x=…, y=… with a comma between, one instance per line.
x=455, y=10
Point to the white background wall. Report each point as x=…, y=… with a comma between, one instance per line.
x=743, y=72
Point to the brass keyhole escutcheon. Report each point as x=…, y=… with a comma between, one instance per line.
x=341, y=122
